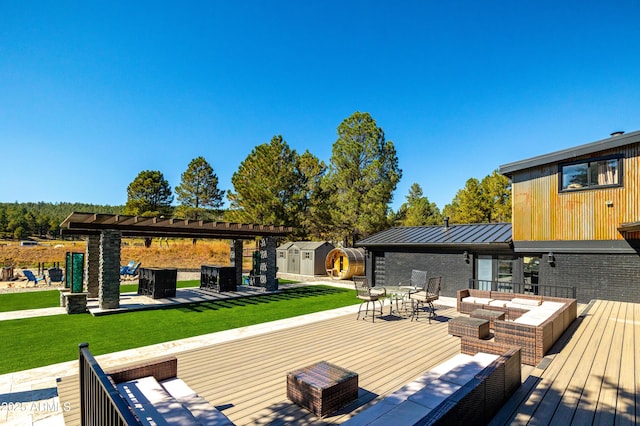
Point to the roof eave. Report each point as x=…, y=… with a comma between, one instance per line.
x=571, y=153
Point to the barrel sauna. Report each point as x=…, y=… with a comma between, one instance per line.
x=343, y=263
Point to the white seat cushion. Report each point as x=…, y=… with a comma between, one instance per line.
x=452, y=362
x=523, y=301
x=511, y=304
x=499, y=303
x=152, y=404
x=477, y=300
x=177, y=388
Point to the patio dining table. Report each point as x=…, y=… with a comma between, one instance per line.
x=398, y=297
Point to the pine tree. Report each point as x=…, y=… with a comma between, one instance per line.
x=198, y=191
x=362, y=176
x=149, y=195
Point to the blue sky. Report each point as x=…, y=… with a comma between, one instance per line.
x=92, y=93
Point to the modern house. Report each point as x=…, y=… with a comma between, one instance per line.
x=575, y=224
x=578, y=212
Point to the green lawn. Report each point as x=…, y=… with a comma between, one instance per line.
x=36, y=342
x=51, y=298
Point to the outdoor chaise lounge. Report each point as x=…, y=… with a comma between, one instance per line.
x=533, y=323
x=128, y=270
x=464, y=390
x=147, y=393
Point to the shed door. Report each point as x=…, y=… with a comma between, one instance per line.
x=294, y=261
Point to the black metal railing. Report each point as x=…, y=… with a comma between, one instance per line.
x=524, y=288
x=100, y=402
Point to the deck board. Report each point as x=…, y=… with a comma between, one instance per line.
x=592, y=379
x=247, y=377
x=591, y=376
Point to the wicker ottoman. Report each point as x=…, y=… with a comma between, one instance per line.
x=488, y=315
x=472, y=327
x=322, y=388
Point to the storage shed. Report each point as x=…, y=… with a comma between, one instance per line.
x=282, y=257
x=303, y=257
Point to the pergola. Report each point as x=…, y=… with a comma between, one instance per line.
x=105, y=231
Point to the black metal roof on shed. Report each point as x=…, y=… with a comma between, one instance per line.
x=440, y=236
x=572, y=153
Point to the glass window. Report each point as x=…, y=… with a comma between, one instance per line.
x=592, y=174
x=484, y=272
x=505, y=274
x=531, y=269
x=307, y=255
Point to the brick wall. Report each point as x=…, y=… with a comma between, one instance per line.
x=596, y=276
x=452, y=267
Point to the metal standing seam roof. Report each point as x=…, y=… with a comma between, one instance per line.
x=454, y=235
x=137, y=226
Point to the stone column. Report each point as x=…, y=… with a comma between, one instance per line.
x=235, y=253
x=267, y=271
x=109, y=288
x=92, y=266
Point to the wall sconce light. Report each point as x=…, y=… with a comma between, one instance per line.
x=609, y=203
x=551, y=258
x=465, y=256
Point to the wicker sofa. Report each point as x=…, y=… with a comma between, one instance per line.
x=533, y=323
x=142, y=393
x=464, y=390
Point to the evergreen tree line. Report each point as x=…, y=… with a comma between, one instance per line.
x=23, y=220
x=342, y=201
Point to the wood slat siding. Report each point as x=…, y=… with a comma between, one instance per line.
x=247, y=377
x=541, y=213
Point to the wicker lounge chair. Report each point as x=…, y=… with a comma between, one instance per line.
x=429, y=294
x=368, y=295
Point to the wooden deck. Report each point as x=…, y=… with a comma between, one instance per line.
x=247, y=377
x=592, y=377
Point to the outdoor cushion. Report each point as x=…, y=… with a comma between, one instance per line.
x=152, y=403
x=530, y=320
x=199, y=407
x=531, y=302
x=177, y=388
x=451, y=363
x=432, y=395
x=463, y=373
x=477, y=300
x=407, y=413
x=551, y=306
x=499, y=303
x=511, y=304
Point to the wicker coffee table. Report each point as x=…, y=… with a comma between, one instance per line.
x=488, y=315
x=472, y=327
x=322, y=388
